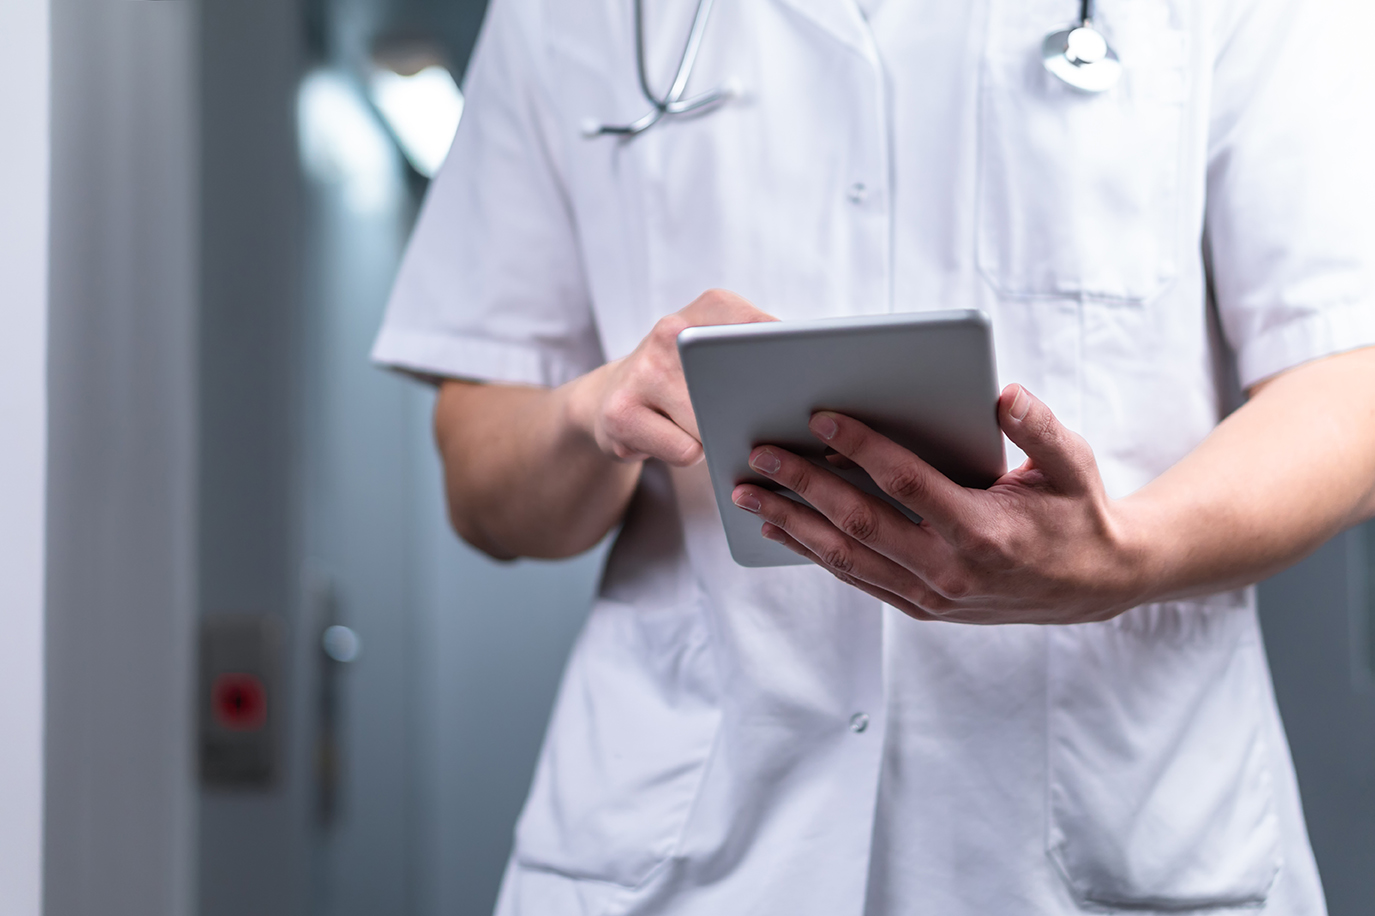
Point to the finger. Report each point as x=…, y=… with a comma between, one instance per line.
x=672, y=400
x=778, y=535
x=721, y=306
x=640, y=432
x=715, y=306
x=837, y=460
x=1063, y=456
x=867, y=519
x=834, y=550
x=973, y=616
x=658, y=380
x=898, y=472
x=665, y=388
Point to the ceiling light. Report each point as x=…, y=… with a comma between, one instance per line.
x=342, y=143
x=421, y=111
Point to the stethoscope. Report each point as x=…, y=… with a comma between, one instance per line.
x=1079, y=55
x=673, y=103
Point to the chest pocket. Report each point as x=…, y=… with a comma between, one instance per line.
x=1079, y=193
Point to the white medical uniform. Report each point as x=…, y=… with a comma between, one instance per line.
x=748, y=741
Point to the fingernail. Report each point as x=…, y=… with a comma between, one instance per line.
x=765, y=461
x=772, y=533
x=747, y=501
x=1020, y=404
x=824, y=426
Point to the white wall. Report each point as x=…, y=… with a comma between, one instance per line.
x=23, y=436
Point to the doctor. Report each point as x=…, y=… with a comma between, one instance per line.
x=836, y=739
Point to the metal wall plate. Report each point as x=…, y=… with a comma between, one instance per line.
x=238, y=700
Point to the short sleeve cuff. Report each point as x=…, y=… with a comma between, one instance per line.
x=1324, y=332
x=484, y=360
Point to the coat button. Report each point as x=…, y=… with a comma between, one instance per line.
x=859, y=722
x=858, y=193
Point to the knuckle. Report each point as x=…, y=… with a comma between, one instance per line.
x=959, y=588
x=669, y=327
x=860, y=523
x=1084, y=460
x=936, y=604
x=619, y=411
x=952, y=585
x=916, y=595
x=927, y=599
x=838, y=557
x=722, y=303
x=708, y=303
x=906, y=484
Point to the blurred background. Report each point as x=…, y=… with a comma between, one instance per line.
x=276, y=683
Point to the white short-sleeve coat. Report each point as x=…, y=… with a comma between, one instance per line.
x=746, y=741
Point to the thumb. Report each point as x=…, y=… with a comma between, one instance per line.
x=1061, y=455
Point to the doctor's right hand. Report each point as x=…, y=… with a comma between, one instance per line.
x=637, y=407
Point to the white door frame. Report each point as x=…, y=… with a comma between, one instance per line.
x=23, y=442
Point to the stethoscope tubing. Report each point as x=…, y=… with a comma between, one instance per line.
x=673, y=103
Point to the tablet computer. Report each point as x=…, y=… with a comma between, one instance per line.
x=925, y=380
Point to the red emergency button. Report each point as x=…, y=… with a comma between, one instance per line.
x=239, y=701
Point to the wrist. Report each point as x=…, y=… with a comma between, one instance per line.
x=1141, y=547
x=579, y=403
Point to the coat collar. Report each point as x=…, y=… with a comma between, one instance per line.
x=841, y=19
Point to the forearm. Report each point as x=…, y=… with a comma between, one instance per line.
x=1285, y=472
x=523, y=476
x=1046, y=544
x=547, y=473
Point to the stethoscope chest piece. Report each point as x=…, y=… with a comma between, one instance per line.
x=1082, y=58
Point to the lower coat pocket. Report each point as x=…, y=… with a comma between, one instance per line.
x=632, y=731
x=1159, y=786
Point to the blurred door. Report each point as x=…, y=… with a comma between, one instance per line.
x=404, y=758
x=425, y=742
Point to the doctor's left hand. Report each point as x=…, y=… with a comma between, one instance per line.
x=1044, y=544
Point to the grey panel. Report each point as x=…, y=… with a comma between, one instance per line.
x=1362, y=558
x=119, y=795
x=1316, y=621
